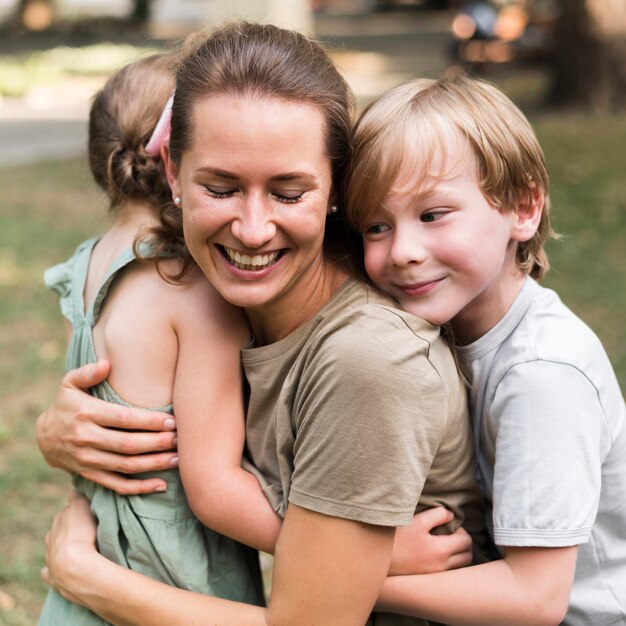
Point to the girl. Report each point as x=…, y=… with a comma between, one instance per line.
x=159, y=335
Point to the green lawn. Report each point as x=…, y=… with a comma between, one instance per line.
x=48, y=209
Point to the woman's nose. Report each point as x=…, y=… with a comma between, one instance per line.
x=254, y=226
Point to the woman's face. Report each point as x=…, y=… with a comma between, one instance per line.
x=255, y=187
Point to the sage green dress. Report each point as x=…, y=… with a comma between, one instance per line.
x=156, y=534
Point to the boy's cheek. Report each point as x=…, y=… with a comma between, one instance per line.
x=375, y=260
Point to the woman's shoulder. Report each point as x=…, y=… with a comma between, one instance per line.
x=362, y=315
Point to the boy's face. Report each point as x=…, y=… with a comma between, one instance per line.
x=446, y=254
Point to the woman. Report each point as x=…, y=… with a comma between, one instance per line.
x=356, y=415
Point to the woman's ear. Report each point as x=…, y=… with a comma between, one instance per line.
x=171, y=169
x=528, y=214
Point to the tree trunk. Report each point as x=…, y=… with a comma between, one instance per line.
x=141, y=11
x=590, y=54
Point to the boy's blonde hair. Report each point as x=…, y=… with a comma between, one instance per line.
x=421, y=119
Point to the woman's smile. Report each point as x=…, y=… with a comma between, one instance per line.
x=255, y=262
x=255, y=187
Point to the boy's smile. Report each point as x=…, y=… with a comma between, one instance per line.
x=446, y=254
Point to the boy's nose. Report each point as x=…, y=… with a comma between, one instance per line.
x=254, y=226
x=406, y=249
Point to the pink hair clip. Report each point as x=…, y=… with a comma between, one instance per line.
x=161, y=131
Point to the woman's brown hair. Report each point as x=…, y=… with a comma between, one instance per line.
x=264, y=61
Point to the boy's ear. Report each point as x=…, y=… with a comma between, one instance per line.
x=528, y=214
x=171, y=169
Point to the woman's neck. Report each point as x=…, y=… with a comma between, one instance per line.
x=272, y=323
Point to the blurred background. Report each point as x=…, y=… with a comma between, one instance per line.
x=562, y=61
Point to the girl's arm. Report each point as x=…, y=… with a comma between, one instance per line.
x=530, y=586
x=208, y=404
x=327, y=570
x=84, y=435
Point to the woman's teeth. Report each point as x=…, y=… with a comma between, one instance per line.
x=248, y=262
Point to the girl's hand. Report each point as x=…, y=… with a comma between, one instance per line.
x=417, y=551
x=70, y=547
x=82, y=434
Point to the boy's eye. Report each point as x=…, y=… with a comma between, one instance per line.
x=376, y=229
x=432, y=216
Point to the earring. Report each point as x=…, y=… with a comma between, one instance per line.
x=333, y=208
x=177, y=201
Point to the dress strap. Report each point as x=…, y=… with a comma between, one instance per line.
x=80, y=267
x=124, y=259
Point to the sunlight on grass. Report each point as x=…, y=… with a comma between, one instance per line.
x=19, y=73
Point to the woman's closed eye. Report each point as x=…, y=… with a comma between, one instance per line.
x=220, y=192
x=288, y=197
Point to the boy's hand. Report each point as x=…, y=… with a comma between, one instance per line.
x=84, y=435
x=417, y=551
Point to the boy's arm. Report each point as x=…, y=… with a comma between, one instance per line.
x=529, y=586
x=208, y=404
x=537, y=485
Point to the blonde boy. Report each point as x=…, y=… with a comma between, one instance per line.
x=450, y=190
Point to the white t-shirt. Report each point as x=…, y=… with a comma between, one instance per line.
x=548, y=418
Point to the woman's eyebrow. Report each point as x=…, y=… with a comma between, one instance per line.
x=286, y=177
x=300, y=176
x=217, y=172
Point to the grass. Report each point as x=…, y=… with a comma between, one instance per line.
x=49, y=208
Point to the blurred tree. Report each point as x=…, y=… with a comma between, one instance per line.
x=590, y=54
x=141, y=11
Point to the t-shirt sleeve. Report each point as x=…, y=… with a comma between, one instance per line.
x=551, y=436
x=369, y=416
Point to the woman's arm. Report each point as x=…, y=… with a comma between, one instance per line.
x=208, y=403
x=120, y=595
x=327, y=570
x=530, y=586
x=84, y=435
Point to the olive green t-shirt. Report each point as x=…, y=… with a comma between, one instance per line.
x=360, y=413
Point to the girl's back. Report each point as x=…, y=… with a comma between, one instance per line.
x=160, y=337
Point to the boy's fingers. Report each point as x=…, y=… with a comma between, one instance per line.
x=431, y=518
x=461, y=559
x=460, y=541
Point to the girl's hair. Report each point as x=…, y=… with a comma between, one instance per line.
x=121, y=120
x=423, y=118
x=264, y=61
